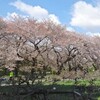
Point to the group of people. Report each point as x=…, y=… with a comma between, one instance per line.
x=4, y=80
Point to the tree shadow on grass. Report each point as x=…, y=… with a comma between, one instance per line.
x=54, y=91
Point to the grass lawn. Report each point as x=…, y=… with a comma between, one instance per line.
x=67, y=85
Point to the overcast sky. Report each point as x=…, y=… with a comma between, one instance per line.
x=78, y=15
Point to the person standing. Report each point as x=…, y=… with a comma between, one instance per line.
x=11, y=75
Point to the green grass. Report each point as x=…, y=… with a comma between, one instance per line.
x=98, y=98
x=59, y=86
x=66, y=85
x=70, y=82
